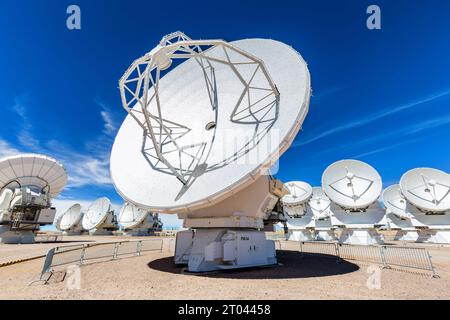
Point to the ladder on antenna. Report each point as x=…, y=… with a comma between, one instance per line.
x=17, y=221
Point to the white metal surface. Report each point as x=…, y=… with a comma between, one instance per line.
x=395, y=202
x=320, y=204
x=299, y=193
x=96, y=214
x=33, y=170
x=428, y=189
x=352, y=184
x=255, y=92
x=70, y=218
x=131, y=216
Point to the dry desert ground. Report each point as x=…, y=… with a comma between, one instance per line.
x=154, y=276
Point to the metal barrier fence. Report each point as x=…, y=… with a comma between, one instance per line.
x=387, y=256
x=42, y=238
x=85, y=253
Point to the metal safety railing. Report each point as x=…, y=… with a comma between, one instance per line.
x=384, y=255
x=84, y=253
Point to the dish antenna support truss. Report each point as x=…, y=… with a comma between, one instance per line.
x=139, y=88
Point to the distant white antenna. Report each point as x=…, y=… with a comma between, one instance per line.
x=428, y=193
x=99, y=218
x=199, y=141
x=427, y=189
x=294, y=203
x=131, y=216
x=352, y=184
x=320, y=204
x=295, y=209
x=394, y=201
x=354, y=188
x=70, y=220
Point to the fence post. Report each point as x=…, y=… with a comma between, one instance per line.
x=116, y=248
x=435, y=275
x=383, y=257
x=83, y=251
x=139, y=248
x=48, y=262
x=338, y=254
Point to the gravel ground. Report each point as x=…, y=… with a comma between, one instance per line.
x=154, y=276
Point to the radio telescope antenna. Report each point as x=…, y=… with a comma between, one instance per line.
x=99, y=218
x=428, y=189
x=206, y=133
x=398, y=216
x=395, y=202
x=299, y=193
x=428, y=193
x=28, y=183
x=354, y=188
x=138, y=222
x=352, y=184
x=70, y=221
x=320, y=205
x=131, y=216
x=295, y=210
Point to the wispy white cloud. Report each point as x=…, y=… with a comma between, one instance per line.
x=83, y=169
x=25, y=134
x=388, y=134
x=87, y=167
x=110, y=124
x=383, y=149
x=6, y=149
x=373, y=117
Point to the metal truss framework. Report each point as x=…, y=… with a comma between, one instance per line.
x=140, y=87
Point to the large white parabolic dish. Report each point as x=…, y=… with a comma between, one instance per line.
x=320, y=204
x=33, y=170
x=96, y=214
x=243, y=143
x=428, y=189
x=131, y=216
x=352, y=184
x=394, y=201
x=70, y=218
x=299, y=193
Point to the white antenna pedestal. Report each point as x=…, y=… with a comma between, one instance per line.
x=360, y=227
x=218, y=241
x=300, y=228
x=408, y=230
x=300, y=235
x=324, y=231
x=106, y=228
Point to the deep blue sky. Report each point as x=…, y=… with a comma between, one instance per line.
x=380, y=96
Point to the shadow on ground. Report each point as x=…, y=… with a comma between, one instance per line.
x=292, y=265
